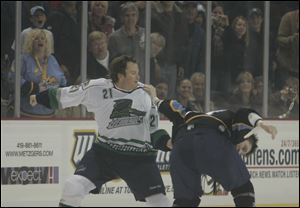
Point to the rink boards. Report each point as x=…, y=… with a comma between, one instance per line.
x=38, y=156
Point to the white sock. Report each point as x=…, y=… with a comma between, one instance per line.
x=158, y=200
x=75, y=189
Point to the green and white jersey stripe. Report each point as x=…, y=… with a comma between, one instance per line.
x=125, y=146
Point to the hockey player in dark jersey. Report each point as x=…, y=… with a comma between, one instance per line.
x=206, y=144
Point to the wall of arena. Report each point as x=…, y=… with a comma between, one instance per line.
x=38, y=156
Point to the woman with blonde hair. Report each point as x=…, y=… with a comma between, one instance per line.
x=244, y=93
x=39, y=71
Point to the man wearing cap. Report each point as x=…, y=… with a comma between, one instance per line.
x=254, y=51
x=255, y=18
x=38, y=19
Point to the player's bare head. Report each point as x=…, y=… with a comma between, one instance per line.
x=253, y=139
x=119, y=65
x=247, y=146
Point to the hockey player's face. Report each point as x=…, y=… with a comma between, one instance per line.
x=244, y=147
x=131, y=79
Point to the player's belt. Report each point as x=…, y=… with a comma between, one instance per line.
x=208, y=122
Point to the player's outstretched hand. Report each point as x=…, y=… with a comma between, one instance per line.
x=32, y=100
x=267, y=128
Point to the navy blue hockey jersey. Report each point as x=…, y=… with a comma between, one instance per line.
x=234, y=124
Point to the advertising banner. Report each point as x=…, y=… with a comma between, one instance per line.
x=38, y=156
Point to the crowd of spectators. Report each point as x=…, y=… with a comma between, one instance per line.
x=51, y=48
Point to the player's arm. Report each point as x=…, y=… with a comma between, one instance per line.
x=46, y=98
x=261, y=125
x=65, y=97
x=160, y=138
x=172, y=109
x=252, y=118
x=29, y=88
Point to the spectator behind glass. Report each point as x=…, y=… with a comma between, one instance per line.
x=185, y=95
x=66, y=30
x=254, y=50
x=244, y=94
x=288, y=51
x=26, y=13
x=198, y=85
x=38, y=19
x=219, y=23
x=141, y=5
x=219, y=20
x=234, y=49
x=285, y=102
x=99, y=20
x=194, y=57
x=40, y=71
x=162, y=89
x=158, y=43
x=259, y=89
x=129, y=39
x=7, y=88
x=98, y=56
x=169, y=20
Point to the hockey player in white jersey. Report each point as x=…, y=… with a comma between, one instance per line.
x=127, y=135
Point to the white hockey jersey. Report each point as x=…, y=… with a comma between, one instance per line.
x=125, y=119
